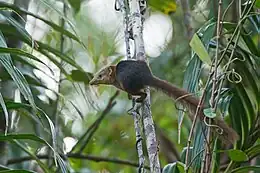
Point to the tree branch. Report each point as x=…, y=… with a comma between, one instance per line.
x=137, y=7
x=93, y=128
x=79, y=156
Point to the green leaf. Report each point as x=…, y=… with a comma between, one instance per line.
x=50, y=6
x=63, y=57
x=2, y=167
x=13, y=105
x=253, y=151
x=55, y=61
x=216, y=157
x=2, y=102
x=10, y=137
x=176, y=167
x=257, y=3
x=237, y=155
x=190, y=82
x=18, y=26
x=25, y=149
x=32, y=65
x=17, y=171
x=80, y=76
x=34, y=82
x=13, y=137
x=198, y=147
x=246, y=169
x=77, y=109
x=198, y=47
x=183, y=154
x=31, y=80
x=247, y=117
x=53, y=25
x=17, y=76
x=250, y=43
x=165, y=6
x=209, y=113
x=19, y=52
x=46, y=50
x=75, y=4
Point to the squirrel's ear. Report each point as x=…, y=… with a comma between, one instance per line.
x=111, y=70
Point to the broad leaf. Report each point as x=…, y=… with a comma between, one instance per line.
x=75, y=4
x=209, y=113
x=237, y=155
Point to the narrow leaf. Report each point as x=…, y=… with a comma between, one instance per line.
x=253, y=151
x=64, y=57
x=257, y=3
x=11, y=137
x=246, y=169
x=198, y=47
x=2, y=102
x=18, y=26
x=17, y=76
x=41, y=164
x=17, y=171
x=176, y=167
x=53, y=25
x=15, y=51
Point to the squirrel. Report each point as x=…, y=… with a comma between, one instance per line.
x=133, y=76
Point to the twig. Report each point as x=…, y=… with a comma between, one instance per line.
x=62, y=45
x=55, y=116
x=78, y=156
x=203, y=158
x=194, y=158
x=168, y=148
x=203, y=94
x=139, y=140
x=212, y=102
x=187, y=17
x=136, y=7
x=93, y=127
x=124, y=6
x=236, y=33
x=194, y=122
x=208, y=148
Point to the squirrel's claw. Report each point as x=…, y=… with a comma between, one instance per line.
x=135, y=107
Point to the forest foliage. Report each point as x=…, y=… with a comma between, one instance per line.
x=53, y=121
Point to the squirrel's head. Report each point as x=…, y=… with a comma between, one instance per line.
x=104, y=76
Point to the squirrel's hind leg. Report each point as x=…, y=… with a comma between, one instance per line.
x=142, y=95
x=134, y=108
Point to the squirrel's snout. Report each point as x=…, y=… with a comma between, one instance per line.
x=92, y=82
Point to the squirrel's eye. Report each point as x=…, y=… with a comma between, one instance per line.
x=100, y=76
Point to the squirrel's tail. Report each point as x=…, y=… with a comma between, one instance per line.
x=187, y=99
x=178, y=94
